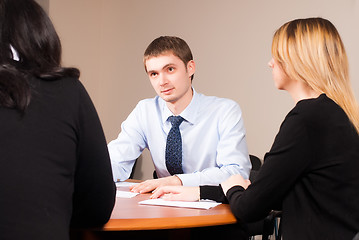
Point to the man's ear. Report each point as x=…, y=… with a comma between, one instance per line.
x=191, y=67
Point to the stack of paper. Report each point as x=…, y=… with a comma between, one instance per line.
x=201, y=204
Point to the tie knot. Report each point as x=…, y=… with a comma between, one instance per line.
x=175, y=120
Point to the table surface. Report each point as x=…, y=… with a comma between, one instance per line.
x=129, y=215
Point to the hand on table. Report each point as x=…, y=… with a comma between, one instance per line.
x=177, y=193
x=235, y=180
x=150, y=185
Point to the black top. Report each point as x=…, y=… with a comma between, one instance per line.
x=55, y=168
x=311, y=173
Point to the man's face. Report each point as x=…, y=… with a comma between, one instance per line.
x=171, y=78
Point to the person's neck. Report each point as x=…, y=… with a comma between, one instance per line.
x=178, y=106
x=302, y=91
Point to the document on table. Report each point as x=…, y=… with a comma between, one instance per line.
x=125, y=184
x=125, y=194
x=206, y=204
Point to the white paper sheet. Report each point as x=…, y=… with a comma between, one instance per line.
x=125, y=194
x=125, y=184
x=201, y=204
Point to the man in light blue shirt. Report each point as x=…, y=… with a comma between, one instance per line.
x=213, y=135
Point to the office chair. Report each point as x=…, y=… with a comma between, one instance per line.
x=133, y=170
x=256, y=162
x=270, y=224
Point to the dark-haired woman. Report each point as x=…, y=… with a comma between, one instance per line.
x=55, y=171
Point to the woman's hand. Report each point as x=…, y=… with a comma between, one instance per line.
x=177, y=193
x=235, y=180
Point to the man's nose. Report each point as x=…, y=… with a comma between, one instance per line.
x=163, y=79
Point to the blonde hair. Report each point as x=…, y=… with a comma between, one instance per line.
x=311, y=50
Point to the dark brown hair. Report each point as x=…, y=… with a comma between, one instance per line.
x=171, y=44
x=25, y=27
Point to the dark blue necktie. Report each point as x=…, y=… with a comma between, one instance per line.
x=174, y=147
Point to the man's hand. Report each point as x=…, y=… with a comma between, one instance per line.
x=150, y=185
x=234, y=180
x=177, y=193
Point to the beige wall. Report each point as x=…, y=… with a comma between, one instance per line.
x=44, y=4
x=230, y=40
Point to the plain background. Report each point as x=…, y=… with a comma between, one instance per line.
x=230, y=41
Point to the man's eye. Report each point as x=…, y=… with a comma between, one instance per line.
x=171, y=69
x=153, y=74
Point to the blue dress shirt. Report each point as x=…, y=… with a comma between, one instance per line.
x=213, y=140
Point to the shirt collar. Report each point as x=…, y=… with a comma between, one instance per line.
x=189, y=113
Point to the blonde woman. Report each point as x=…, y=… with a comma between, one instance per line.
x=311, y=171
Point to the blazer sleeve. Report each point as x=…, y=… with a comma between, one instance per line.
x=283, y=165
x=94, y=189
x=214, y=193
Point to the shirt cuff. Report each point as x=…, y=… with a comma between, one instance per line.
x=189, y=180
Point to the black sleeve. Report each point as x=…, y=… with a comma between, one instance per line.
x=94, y=192
x=214, y=193
x=283, y=165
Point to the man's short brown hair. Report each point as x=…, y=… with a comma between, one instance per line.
x=168, y=44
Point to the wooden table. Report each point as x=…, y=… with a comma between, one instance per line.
x=129, y=215
x=145, y=220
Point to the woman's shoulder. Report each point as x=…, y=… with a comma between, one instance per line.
x=64, y=92
x=60, y=86
x=320, y=112
x=315, y=106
